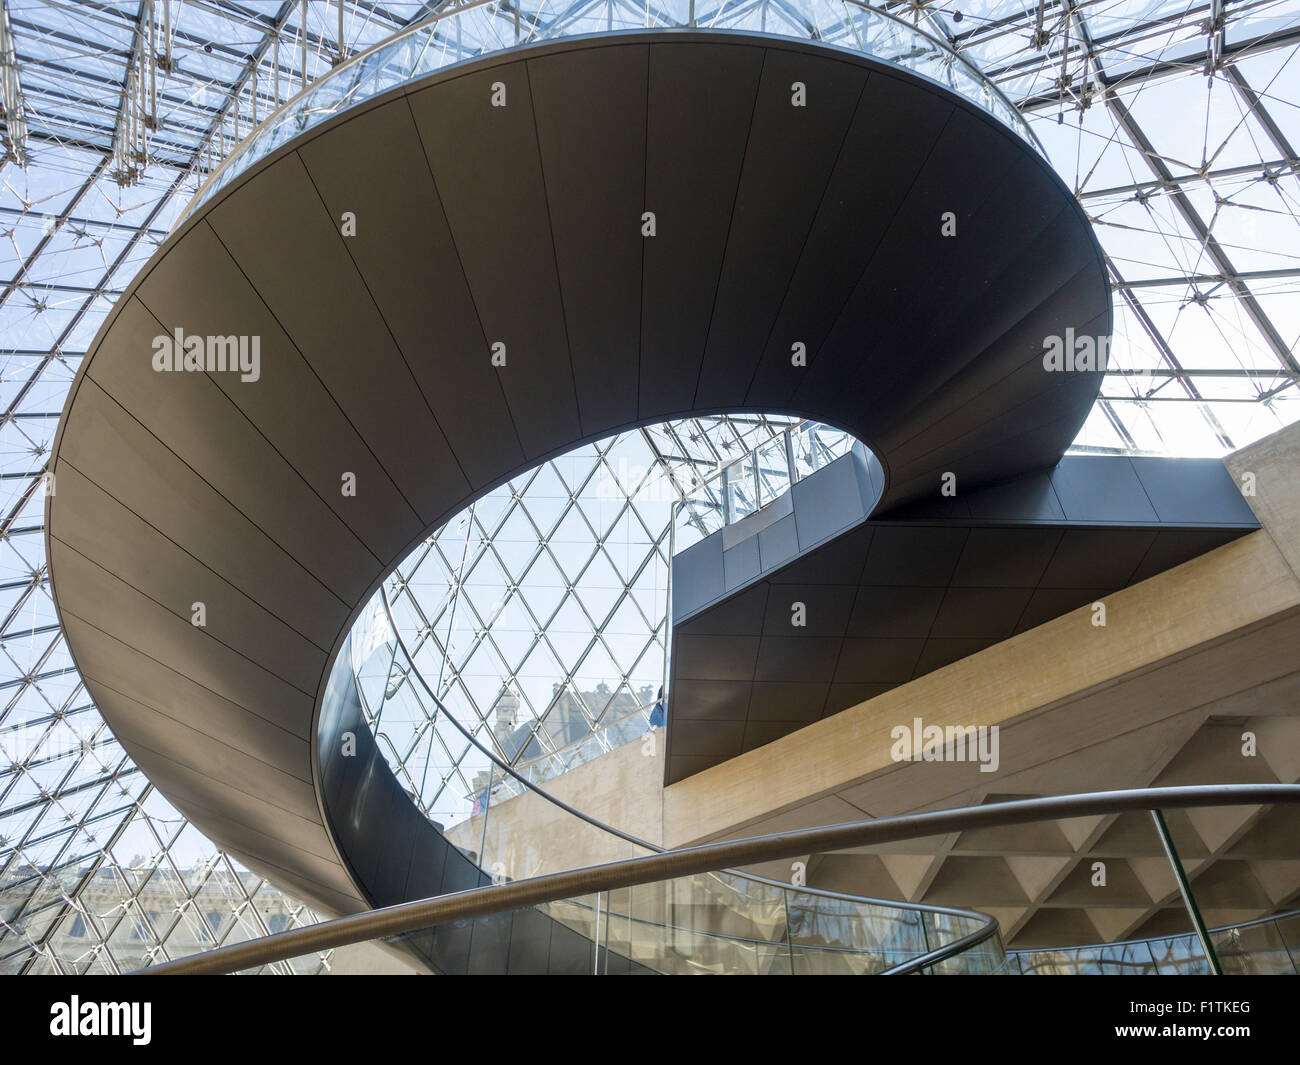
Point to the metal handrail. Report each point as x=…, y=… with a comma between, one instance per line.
x=669, y=865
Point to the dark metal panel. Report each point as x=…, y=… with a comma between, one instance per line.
x=404, y=250
x=740, y=563
x=894, y=610
x=135, y=724
x=823, y=609
x=114, y=606
x=1005, y=558
x=778, y=543
x=826, y=505
x=486, y=166
x=789, y=156
x=1199, y=491
x=718, y=740
x=787, y=701
x=530, y=942
x=695, y=144
x=845, y=694
x=590, y=108
x=939, y=652
x=202, y=291
x=967, y=307
x=489, y=953
x=715, y=657
x=1028, y=498
x=797, y=658
x=833, y=562
x=698, y=577
x=1173, y=547
x=102, y=530
x=866, y=187
x=191, y=421
x=571, y=952
x=717, y=700
x=982, y=612
x=737, y=615
x=100, y=527
x=1048, y=603
x=424, y=875
x=876, y=660
x=111, y=664
x=1097, y=558
x=758, y=733
x=1090, y=491
x=913, y=555
x=292, y=252
x=975, y=405
x=911, y=247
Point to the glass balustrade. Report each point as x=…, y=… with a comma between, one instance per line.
x=1270, y=946
x=479, y=29
x=755, y=480
x=720, y=922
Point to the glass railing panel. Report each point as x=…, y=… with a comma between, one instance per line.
x=713, y=922
x=756, y=480
x=1254, y=949
x=481, y=29
x=1288, y=928
x=740, y=489
x=1179, y=956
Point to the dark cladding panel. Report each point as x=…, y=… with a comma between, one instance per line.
x=865, y=188
x=128, y=477
x=740, y=563
x=695, y=145
x=111, y=605
x=861, y=351
x=590, y=108
x=167, y=419
x=403, y=248
x=488, y=171
x=697, y=576
x=802, y=112
x=829, y=503
x=1200, y=491
x=102, y=530
x=292, y=251
x=1099, y=492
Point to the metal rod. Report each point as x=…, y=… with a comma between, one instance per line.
x=1185, y=889
x=674, y=864
x=303, y=31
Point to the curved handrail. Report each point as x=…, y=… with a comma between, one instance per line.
x=1016, y=122
x=629, y=872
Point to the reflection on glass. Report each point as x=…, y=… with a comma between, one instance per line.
x=716, y=922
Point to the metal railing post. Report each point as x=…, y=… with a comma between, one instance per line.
x=1185, y=889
